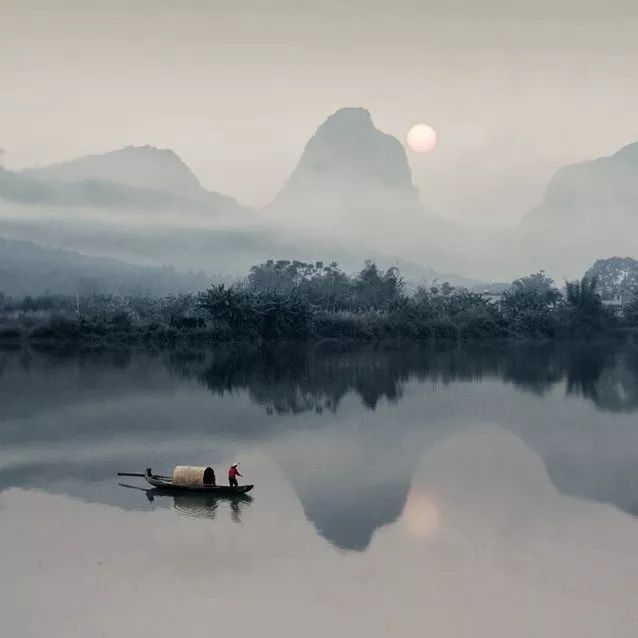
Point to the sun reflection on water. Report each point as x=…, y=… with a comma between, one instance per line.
x=421, y=517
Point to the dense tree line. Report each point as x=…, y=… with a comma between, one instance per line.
x=297, y=300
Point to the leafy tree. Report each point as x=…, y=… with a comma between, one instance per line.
x=539, y=283
x=282, y=276
x=376, y=289
x=272, y=276
x=329, y=288
x=616, y=277
x=528, y=305
x=583, y=310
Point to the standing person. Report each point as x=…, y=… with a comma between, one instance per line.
x=233, y=473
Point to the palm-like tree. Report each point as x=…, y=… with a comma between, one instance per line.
x=584, y=306
x=229, y=304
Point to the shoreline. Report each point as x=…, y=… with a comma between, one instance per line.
x=158, y=340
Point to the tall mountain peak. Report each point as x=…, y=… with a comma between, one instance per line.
x=347, y=120
x=348, y=157
x=354, y=182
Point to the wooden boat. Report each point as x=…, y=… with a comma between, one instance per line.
x=190, y=478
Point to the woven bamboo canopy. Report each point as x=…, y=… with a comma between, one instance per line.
x=193, y=475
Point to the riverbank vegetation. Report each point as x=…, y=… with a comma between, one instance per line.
x=297, y=300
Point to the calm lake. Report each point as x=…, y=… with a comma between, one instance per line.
x=399, y=490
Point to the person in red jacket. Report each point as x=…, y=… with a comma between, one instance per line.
x=233, y=473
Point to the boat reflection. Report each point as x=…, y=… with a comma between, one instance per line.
x=204, y=505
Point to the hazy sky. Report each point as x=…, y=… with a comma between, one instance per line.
x=515, y=89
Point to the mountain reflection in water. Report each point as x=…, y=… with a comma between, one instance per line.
x=348, y=425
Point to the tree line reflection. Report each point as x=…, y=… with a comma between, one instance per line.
x=293, y=378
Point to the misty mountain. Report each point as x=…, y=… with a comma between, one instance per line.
x=606, y=187
x=348, y=163
x=588, y=209
x=617, y=277
x=29, y=191
x=129, y=178
x=354, y=180
x=220, y=253
x=139, y=166
x=351, y=198
x=29, y=269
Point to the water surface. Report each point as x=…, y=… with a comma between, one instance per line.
x=485, y=491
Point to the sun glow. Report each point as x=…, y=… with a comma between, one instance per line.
x=421, y=138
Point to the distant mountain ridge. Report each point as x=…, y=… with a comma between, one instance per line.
x=128, y=178
x=593, y=190
x=589, y=209
x=145, y=167
x=29, y=269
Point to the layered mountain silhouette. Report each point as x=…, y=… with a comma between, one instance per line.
x=130, y=178
x=351, y=194
x=350, y=198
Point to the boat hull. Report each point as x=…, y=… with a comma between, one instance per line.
x=219, y=490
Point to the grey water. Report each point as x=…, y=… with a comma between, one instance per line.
x=481, y=490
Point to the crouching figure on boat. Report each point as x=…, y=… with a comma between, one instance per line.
x=233, y=473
